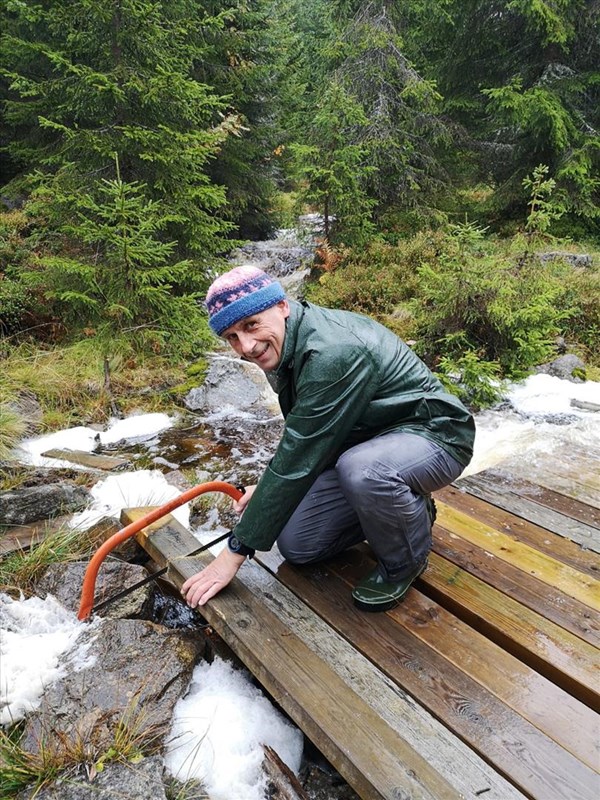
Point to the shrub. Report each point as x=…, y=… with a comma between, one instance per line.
x=482, y=300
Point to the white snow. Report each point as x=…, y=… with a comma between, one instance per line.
x=218, y=730
x=129, y=490
x=134, y=428
x=38, y=645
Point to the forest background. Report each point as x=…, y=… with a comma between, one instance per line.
x=446, y=143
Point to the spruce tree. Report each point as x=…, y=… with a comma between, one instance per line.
x=91, y=79
x=521, y=80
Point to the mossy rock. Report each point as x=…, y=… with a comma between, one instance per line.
x=196, y=373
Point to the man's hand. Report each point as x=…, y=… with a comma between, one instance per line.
x=239, y=506
x=205, y=584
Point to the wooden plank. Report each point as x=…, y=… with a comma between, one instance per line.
x=503, y=480
x=563, y=718
x=573, y=480
x=581, y=533
x=22, y=537
x=549, y=570
x=564, y=550
x=535, y=763
x=578, y=479
x=560, y=656
x=93, y=460
x=547, y=601
x=579, y=527
x=375, y=761
x=462, y=767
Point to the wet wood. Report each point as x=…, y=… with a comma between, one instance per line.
x=564, y=719
x=375, y=761
x=563, y=515
x=584, y=404
x=22, y=537
x=538, y=565
x=564, y=550
x=551, y=603
x=92, y=460
x=284, y=784
x=517, y=749
x=559, y=655
x=467, y=773
x=579, y=480
x=488, y=673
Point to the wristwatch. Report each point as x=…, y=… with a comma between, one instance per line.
x=235, y=546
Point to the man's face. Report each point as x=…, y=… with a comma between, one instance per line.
x=259, y=338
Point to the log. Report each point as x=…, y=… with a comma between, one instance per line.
x=92, y=460
x=285, y=784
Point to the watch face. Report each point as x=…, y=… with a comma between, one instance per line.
x=234, y=543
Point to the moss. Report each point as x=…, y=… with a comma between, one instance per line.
x=580, y=372
x=198, y=369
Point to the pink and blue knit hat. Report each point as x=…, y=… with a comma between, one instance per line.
x=240, y=293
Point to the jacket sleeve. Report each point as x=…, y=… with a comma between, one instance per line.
x=333, y=390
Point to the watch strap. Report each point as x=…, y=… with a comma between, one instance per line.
x=236, y=546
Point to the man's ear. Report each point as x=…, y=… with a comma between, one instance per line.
x=285, y=306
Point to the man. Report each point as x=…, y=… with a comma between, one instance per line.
x=369, y=434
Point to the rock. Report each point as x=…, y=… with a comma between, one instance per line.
x=116, y=780
x=231, y=382
x=564, y=367
x=578, y=260
x=177, y=478
x=135, y=673
x=27, y=406
x=64, y=581
x=23, y=505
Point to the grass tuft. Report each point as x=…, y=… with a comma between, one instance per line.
x=67, y=755
x=12, y=429
x=20, y=570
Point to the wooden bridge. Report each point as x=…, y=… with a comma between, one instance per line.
x=484, y=683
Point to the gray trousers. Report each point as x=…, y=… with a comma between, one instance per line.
x=374, y=492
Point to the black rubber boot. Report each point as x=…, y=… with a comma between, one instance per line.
x=374, y=593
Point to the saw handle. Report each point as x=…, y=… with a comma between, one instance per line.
x=89, y=581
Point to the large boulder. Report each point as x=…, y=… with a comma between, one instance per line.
x=577, y=260
x=27, y=406
x=568, y=367
x=135, y=671
x=232, y=383
x=125, y=781
x=64, y=582
x=31, y=503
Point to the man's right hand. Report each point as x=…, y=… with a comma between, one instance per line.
x=216, y=576
x=239, y=506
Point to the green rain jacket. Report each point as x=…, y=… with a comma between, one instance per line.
x=343, y=379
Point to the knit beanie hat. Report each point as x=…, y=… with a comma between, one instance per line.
x=240, y=293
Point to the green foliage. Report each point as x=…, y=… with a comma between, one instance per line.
x=12, y=428
x=374, y=280
x=478, y=310
x=521, y=84
x=111, y=271
x=505, y=309
x=68, y=381
x=17, y=301
x=542, y=210
x=333, y=170
x=582, y=296
x=469, y=376
x=20, y=570
x=65, y=755
x=95, y=79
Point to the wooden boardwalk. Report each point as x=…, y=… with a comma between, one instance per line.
x=484, y=683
